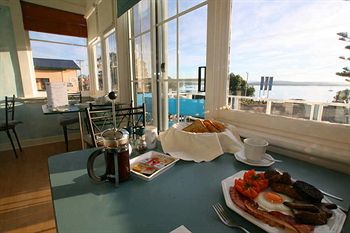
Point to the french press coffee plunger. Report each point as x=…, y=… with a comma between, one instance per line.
x=115, y=151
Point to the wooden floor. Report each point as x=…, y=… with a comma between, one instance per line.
x=25, y=196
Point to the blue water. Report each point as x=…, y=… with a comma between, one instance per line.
x=311, y=93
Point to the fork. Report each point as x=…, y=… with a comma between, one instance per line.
x=225, y=218
x=274, y=160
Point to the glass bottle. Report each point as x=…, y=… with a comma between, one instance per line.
x=141, y=145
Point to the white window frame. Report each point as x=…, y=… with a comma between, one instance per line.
x=106, y=52
x=152, y=81
x=95, y=92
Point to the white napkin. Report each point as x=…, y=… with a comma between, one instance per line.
x=180, y=229
x=199, y=146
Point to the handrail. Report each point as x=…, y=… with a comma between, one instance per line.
x=315, y=112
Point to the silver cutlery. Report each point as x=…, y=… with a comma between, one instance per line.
x=343, y=209
x=331, y=195
x=274, y=160
x=225, y=218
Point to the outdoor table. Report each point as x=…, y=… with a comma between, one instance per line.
x=183, y=195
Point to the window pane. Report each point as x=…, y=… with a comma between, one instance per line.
x=167, y=34
x=112, y=60
x=193, y=43
x=99, y=66
x=167, y=9
x=141, y=17
x=143, y=59
x=145, y=15
x=146, y=55
x=136, y=19
x=173, y=114
x=295, y=110
x=139, y=64
x=144, y=96
x=299, y=44
x=336, y=114
x=187, y=4
x=57, y=38
x=191, y=102
x=76, y=79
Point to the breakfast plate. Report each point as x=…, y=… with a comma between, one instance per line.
x=267, y=160
x=334, y=224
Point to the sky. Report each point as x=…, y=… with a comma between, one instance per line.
x=291, y=40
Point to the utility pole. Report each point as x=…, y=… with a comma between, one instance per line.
x=80, y=81
x=80, y=64
x=246, y=87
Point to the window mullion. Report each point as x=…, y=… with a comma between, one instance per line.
x=177, y=64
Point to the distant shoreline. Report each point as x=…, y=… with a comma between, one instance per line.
x=289, y=83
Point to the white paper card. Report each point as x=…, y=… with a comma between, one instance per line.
x=181, y=229
x=56, y=94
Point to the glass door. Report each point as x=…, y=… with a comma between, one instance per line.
x=171, y=44
x=182, y=35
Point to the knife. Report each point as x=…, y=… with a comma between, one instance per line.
x=331, y=195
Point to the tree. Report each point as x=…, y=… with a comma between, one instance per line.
x=342, y=96
x=346, y=70
x=238, y=86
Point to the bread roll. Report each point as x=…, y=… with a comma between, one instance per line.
x=196, y=127
x=210, y=126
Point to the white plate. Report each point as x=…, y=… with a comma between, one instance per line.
x=147, y=155
x=334, y=224
x=267, y=160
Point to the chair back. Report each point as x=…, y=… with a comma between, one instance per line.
x=75, y=97
x=101, y=119
x=109, y=106
x=9, y=108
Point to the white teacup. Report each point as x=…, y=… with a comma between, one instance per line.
x=151, y=136
x=255, y=148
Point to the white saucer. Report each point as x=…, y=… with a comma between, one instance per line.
x=267, y=160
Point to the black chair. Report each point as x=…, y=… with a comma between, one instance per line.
x=67, y=120
x=100, y=119
x=10, y=122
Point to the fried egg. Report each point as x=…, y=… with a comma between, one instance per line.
x=272, y=201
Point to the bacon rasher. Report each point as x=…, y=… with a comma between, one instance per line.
x=272, y=218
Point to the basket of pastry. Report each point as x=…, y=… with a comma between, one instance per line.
x=201, y=140
x=276, y=203
x=205, y=126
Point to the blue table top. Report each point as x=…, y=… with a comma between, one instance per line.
x=182, y=195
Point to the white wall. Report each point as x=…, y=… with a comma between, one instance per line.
x=25, y=63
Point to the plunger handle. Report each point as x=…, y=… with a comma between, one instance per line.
x=113, y=97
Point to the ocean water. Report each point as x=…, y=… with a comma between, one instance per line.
x=310, y=93
x=324, y=94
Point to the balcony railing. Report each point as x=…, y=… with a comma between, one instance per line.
x=316, y=111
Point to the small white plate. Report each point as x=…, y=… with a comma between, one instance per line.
x=147, y=155
x=334, y=224
x=267, y=160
